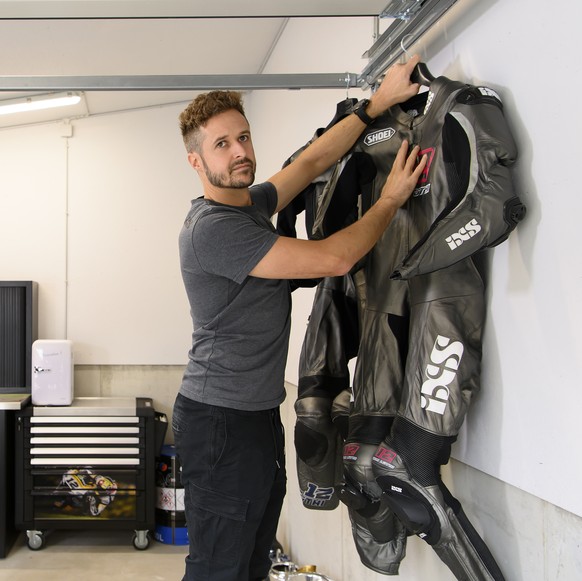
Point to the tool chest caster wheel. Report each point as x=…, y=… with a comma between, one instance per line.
x=35, y=540
x=141, y=540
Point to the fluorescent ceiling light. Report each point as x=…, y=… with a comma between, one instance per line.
x=38, y=102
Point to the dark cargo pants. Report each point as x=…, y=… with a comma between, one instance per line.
x=233, y=473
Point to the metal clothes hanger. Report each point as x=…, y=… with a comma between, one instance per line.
x=420, y=74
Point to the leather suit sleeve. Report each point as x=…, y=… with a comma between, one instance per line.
x=330, y=342
x=469, y=167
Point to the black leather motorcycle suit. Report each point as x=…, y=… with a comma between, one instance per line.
x=420, y=312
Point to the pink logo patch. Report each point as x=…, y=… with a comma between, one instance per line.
x=385, y=454
x=351, y=449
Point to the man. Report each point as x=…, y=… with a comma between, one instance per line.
x=226, y=422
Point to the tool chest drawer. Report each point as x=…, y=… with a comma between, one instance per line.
x=88, y=465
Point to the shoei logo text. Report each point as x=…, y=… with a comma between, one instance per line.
x=465, y=233
x=316, y=495
x=445, y=359
x=379, y=136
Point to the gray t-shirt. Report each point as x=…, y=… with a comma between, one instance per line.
x=241, y=323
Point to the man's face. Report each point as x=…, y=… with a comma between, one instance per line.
x=227, y=156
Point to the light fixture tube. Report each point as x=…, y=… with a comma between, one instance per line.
x=38, y=102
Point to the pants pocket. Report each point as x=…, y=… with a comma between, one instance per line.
x=215, y=524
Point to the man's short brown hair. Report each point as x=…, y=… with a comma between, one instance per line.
x=201, y=109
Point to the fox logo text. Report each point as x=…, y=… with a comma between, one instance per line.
x=317, y=496
x=379, y=136
x=445, y=359
x=465, y=233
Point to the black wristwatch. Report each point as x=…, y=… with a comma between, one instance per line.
x=360, y=110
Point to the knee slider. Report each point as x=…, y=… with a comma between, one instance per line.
x=311, y=446
x=373, y=514
x=411, y=507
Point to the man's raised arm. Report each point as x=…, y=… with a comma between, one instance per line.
x=336, y=142
x=336, y=255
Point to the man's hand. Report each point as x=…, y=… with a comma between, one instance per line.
x=403, y=176
x=395, y=87
x=334, y=143
x=337, y=254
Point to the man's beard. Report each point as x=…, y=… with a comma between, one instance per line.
x=228, y=180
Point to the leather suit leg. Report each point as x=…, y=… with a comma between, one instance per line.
x=320, y=430
x=330, y=342
x=379, y=536
x=407, y=470
x=442, y=374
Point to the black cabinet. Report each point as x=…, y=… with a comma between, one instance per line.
x=9, y=405
x=18, y=331
x=90, y=465
x=7, y=531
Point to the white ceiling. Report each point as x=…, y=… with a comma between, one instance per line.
x=140, y=37
x=186, y=8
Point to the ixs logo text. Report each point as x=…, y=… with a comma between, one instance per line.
x=445, y=359
x=317, y=496
x=465, y=233
x=379, y=136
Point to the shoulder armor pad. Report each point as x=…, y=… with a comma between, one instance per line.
x=478, y=95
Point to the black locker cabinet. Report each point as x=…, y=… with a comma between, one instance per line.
x=90, y=465
x=18, y=331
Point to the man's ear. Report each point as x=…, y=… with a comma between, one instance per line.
x=194, y=160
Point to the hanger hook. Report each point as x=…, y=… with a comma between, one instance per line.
x=402, y=45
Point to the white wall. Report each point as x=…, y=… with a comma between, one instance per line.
x=129, y=190
x=528, y=412
x=33, y=217
x=104, y=214
x=94, y=219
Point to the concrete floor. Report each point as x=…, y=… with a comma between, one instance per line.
x=92, y=556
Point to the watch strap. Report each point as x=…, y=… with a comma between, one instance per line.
x=360, y=111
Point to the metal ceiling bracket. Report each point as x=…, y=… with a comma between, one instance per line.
x=402, y=33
